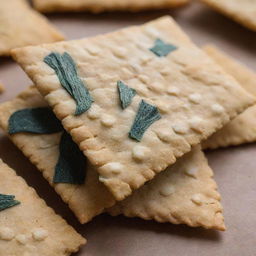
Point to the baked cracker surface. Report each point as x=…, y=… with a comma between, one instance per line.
x=32, y=228
x=182, y=194
x=241, y=129
x=241, y=11
x=104, y=5
x=193, y=94
x=87, y=200
x=22, y=26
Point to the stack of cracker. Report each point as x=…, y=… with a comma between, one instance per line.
x=115, y=122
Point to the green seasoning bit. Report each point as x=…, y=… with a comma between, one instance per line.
x=7, y=201
x=34, y=120
x=162, y=49
x=71, y=164
x=66, y=70
x=146, y=116
x=126, y=94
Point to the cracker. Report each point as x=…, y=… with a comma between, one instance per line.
x=242, y=12
x=91, y=198
x=32, y=228
x=193, y=95
x=87, y=200
x=97, y=6
x=242, y=129
x=182, y=194
x=22, y=26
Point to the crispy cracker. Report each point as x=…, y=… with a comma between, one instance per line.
x=22, y=26
x=204, y=99
x=97, y=6
x=242, y=129
x=92, y=197
x=182, y=194
x=241, y=11
x=32, y=227
x=85, y=200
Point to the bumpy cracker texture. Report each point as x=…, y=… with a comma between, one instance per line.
x=242, y=129
x=32, y=228
x=104, y=5
x=85, y=200
x=22, y=26
x=182, y=194
x=93, y=197
x=195, y=98
x=241, y=11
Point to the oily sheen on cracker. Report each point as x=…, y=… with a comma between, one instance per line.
x=22, y=26
x=27, y=225
x=242, y=128
x=176, y=96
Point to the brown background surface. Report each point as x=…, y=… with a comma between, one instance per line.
x=235, y=168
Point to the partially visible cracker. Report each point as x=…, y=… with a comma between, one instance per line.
x=241, y=11
x=182, y=194
x=32, y=228
x=242, y=129
x=97, y=6
x=1, y=88
x=193, y=94
x=87, y=200
x=22, y=26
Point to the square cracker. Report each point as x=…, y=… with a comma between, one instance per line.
x=90, y=199
x=87, y=200
x=242, y=129
x=22, y=26
x=104, y=5
x=26, y=221
x=182, y=194
x=193, y=94
x=241, y=11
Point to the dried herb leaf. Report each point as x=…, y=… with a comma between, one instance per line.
x=126, y=94
x=7, y=201
x=162, y=49
x=34, y=120
x=71, y=163
x=146, y=116
x=66, y=70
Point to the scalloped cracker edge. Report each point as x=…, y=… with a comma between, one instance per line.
x=182, y=194
x=241, y=129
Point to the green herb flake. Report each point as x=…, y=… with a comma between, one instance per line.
x=66, y=70
x=71, y=163
x=7, y=201
x=34, y=120
x=162, y=49
x=126, y=94
x=145, y=117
